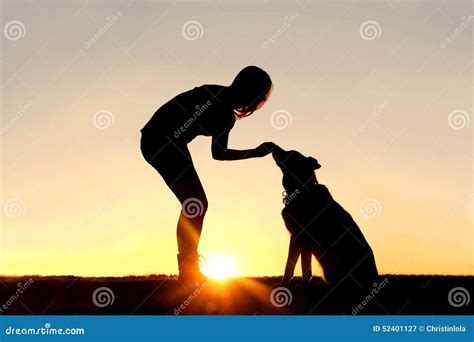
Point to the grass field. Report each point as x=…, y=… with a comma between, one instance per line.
x=163, y=295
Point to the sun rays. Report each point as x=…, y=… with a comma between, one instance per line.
x=219, y=267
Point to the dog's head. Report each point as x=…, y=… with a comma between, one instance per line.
x=298, y=170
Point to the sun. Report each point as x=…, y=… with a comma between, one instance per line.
x=219, y=267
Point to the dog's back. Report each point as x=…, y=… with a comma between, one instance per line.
x=338, y=242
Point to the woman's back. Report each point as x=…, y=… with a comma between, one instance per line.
x=203, y=110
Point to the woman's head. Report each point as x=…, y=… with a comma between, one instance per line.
x=251, y=88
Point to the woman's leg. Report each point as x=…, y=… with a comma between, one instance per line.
x=175, y=165
x=188, y=189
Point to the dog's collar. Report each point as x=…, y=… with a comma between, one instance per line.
x=290, y=197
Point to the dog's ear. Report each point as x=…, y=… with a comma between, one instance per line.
x=314, y=163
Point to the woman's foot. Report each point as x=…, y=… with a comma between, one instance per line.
x=189, y=273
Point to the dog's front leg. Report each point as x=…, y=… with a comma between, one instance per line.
x=293, y=256
x=306, y=264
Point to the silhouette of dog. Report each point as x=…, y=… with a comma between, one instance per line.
x=319, y=226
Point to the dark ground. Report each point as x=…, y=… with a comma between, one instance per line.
x=163, y=295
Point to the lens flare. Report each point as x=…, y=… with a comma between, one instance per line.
x=219, y=267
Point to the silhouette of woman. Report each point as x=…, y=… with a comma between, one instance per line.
x=209, y=110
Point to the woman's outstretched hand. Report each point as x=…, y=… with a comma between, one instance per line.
x=264, y=149
x=221, y=152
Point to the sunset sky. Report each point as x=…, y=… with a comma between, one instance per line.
x=379, y=92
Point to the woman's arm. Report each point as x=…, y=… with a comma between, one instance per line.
x=220, y=151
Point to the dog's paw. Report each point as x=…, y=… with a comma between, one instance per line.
x=304, y=284
x=283, y=283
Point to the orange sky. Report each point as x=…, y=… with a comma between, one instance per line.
x=374, y=112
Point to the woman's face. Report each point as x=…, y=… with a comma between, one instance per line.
x=259, y=105
x=267, y=96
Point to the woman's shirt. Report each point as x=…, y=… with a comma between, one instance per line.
x=199, y=111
